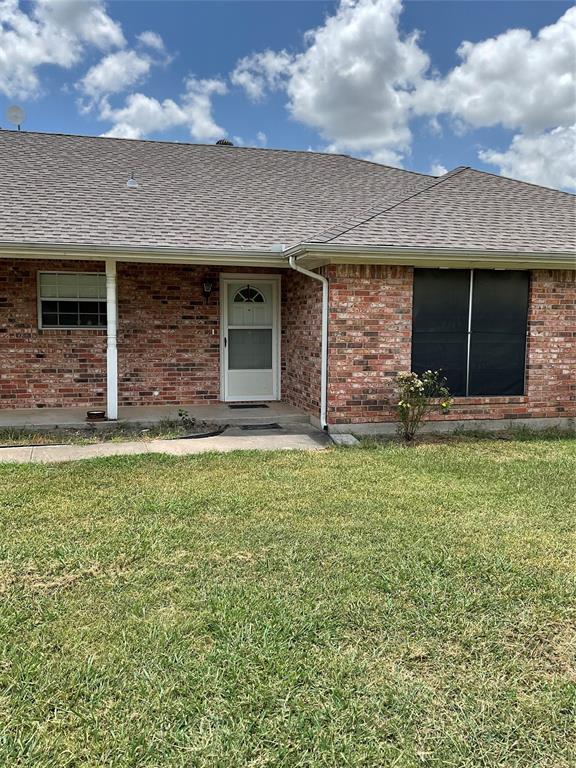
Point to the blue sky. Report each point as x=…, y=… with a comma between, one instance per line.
x=360, y=82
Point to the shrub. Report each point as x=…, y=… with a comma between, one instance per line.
x=417, y=396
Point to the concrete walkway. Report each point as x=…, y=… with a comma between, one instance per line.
x=297, y=437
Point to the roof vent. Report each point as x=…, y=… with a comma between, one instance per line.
x=132, y=183
x=225, y=143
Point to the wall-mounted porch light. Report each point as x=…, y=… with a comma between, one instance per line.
x=207, y=287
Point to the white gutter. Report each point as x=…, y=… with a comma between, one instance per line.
x=275, y=257
x=111, y=347
x=365, y=254
x=324, y=337
x=209, y=256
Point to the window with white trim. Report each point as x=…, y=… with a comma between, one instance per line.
x=471, y=325
x=72, y=300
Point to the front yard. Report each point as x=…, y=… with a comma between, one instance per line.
x=371, y=607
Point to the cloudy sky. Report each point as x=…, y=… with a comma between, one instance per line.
x=423, y=85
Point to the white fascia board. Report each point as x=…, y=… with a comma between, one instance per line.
x=319, y=254
x=311, y=255
x=204, y=256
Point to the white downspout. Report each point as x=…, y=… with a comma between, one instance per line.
x=111, y=348
x=324, y=347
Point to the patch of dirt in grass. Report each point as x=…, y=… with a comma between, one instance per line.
x=32, y=579
x=550, y=647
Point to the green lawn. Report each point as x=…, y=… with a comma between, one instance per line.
x=355, y=607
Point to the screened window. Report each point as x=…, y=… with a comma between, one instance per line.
x=471, y=324
x=72, y=299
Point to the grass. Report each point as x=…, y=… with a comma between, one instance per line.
x=88, y=435
x=377, y=606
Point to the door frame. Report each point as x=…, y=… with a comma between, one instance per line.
x=252, y=278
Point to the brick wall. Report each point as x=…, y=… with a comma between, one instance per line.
x=301, y=341
x=168, y=335
x=45, y=367
x=369, y=339
x=168, y=339
x=551, y=365
x=168, y=342
x=370, y=329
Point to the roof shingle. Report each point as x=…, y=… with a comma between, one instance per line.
x=473, y=210
x=71, y=190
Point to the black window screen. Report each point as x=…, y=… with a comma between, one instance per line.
x=440, y=324
x=498, y=333
x=471, y=325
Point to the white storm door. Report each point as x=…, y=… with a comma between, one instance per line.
x=250, y=358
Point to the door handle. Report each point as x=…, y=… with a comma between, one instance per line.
x=225, y=342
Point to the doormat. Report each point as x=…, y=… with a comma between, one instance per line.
x=247, y=427
x=238, y=406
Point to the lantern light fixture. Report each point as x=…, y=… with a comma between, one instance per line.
x=207, y=287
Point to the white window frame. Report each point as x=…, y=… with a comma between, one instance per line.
x=40, y=298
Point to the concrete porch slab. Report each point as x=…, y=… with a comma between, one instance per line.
x=217, y=413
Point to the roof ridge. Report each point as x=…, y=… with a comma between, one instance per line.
x=201, y=144
x=178, y=143
x=521, y=181
x=383, y=165
x=372, y=212
x=175, y=143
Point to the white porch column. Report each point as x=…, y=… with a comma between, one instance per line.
x=111, y=349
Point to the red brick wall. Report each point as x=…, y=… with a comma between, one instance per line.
x=370, y=329
x=301, y=341
x=168, y=335
x=369, y=339
x=551, y=367
x=45, y=367
x=168, y=342
x=168, y=339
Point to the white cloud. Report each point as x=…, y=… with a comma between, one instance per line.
x=259, y=141
x=53, y=32
x=435, y=126
x=518, y=81
x=360, y=82
x=197, y=103
x=262, y=72
x=114, y=73
x=548, y=158
x=151, y=40
x=86, y=20
x=143, y=115
x=515, y=80
x=521, y=82
x=437, y=169
x=352, y=82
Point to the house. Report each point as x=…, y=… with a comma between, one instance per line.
x=156, y=273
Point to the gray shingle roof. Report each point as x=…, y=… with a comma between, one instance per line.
x=72, y=189
x=473, y=210
x=58, y=189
